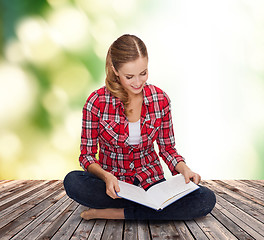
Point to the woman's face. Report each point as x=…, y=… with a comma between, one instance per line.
x=133, y=76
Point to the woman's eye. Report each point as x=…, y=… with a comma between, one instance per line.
x=144, y=73
x=128, y=77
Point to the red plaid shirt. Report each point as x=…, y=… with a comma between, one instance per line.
x=104, y=122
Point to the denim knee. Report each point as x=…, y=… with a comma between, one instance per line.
x=69, y=183
x=208, y=200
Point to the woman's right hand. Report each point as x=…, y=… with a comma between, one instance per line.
x=110, y=180
x=112, y=186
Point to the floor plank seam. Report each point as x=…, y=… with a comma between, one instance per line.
x=240, y=229
x=241, y=219
x=240, y=192
x=41, y=209
x=219, y=220
x=57, y=205
x=149, y=230
x=190, y=230
x=65, y=220
x=240, y=208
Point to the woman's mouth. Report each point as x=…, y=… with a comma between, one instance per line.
x=136, y=88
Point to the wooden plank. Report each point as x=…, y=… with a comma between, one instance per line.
x=4, y=181
x=51, y=223
x=12, y=212
x=7, y=181
x=239, y=191
x=196, y=230
x=238, y=200
x=130, y=230
x=29, y=186
x=13, y=188
x=243, y=216
x=10, y=184
x=261, y=182
x=22, y=195
x=83, y=231
x=21, y=226
x=247, y=207
x=18, y=202
x=183, y=230
x=97, y=230
x=231, y=226
x=247, y=228
x=68, y=228
x=34, y=217
x=163, y=230
x=254, y=184
x=6, y=218
x=143, y=230
x=113, y=230
x=246, y=188
x=57, y=221
x=213, y=229
x=45, y=212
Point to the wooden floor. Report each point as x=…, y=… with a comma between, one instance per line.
x=41, y=210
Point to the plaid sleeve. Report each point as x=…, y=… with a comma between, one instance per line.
x=89, y=135
x=166, y=140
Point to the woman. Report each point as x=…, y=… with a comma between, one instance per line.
x=124, y=118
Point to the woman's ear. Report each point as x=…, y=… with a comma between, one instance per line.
x=116, y=73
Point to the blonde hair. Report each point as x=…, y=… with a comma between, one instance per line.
x=125, y=49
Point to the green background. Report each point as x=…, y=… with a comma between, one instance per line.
x=207, y=55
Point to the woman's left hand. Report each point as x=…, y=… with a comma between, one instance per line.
x=188, y=174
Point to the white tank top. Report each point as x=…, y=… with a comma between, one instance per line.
x=134, y=132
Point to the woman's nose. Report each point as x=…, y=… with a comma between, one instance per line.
x=137, y=80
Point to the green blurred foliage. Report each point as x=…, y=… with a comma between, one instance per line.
x=12, y=11
x=52, y=57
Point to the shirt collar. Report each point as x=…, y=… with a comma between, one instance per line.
x=116, y=102
x=145, y=94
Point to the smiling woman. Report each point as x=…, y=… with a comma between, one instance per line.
x=109, y=120
x=133, y=75
x=122, y=80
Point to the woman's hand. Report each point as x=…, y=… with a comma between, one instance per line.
x=188, y=174
x=110, y=180
x=112, y=186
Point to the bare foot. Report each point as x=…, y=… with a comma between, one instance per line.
x=108, y=213
x=88, y=214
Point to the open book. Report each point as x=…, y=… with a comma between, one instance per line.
x=160, y=195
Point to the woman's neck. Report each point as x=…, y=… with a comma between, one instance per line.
x=134, y=108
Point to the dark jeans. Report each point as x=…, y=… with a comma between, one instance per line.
x=88, y=190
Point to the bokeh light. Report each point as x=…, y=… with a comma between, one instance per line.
x=70, y=27
x=207, y=55
x=17, y=93
x=37, y=42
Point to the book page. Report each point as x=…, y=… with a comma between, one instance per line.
x=135, y=194
x=160, y=195
x=176, y=197
x=172, y=188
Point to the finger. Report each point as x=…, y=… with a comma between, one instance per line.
x=187, y=179
x=116, y=191
x=196, y=178
x=117, y=188
x=199, y=179
x=111, y=192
